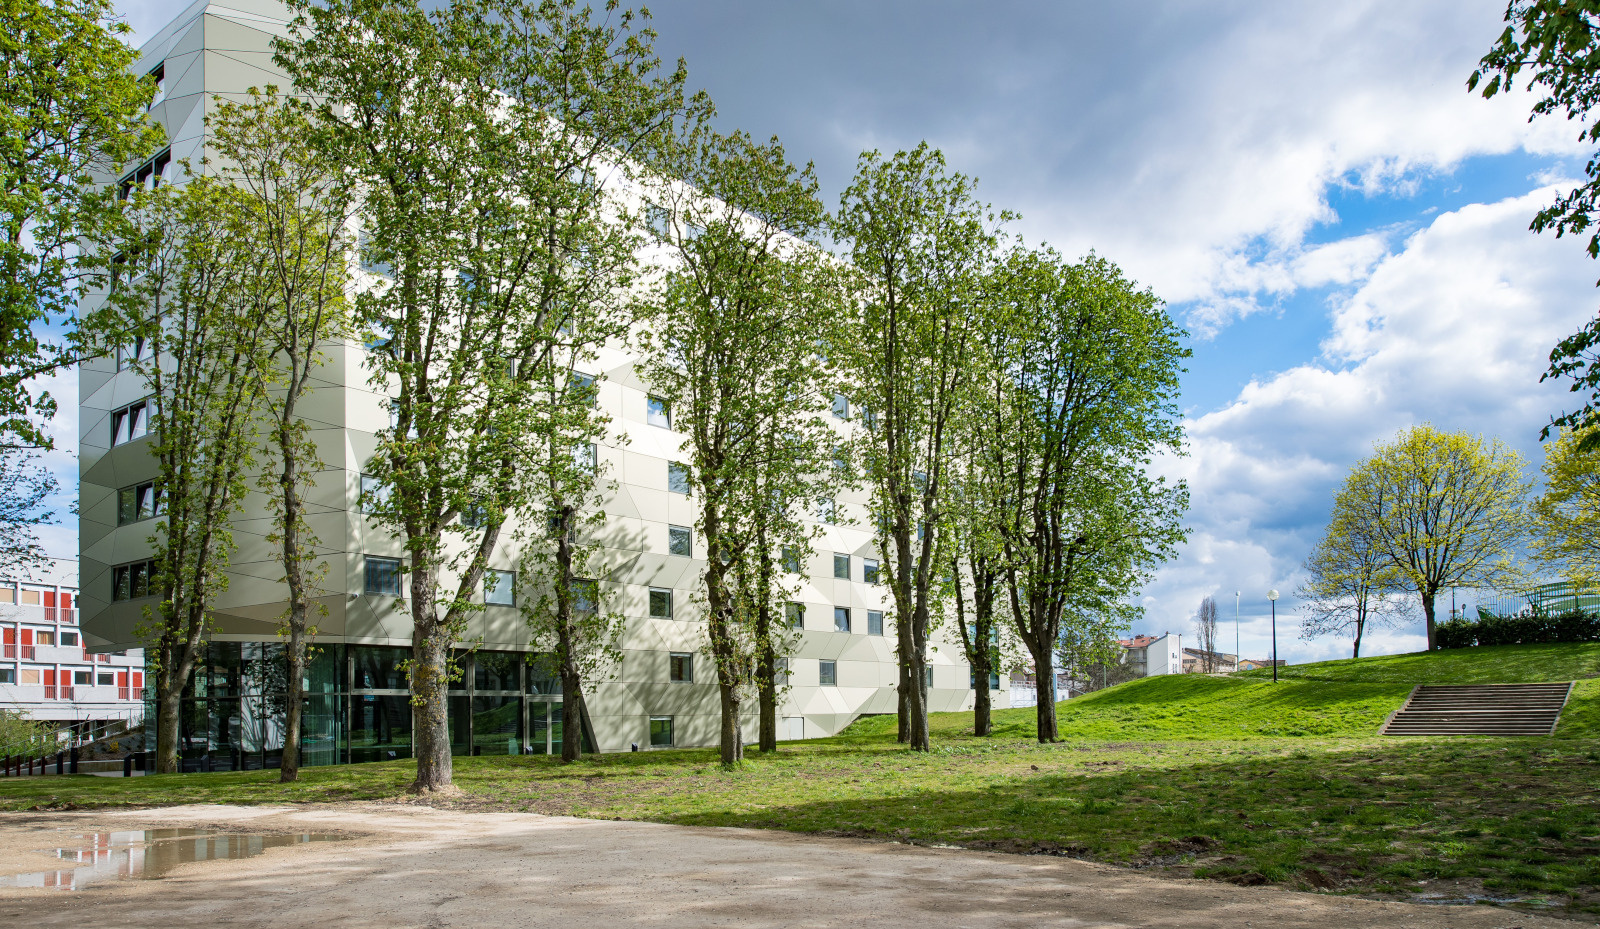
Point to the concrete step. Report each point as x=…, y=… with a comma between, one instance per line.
x=1480, y=709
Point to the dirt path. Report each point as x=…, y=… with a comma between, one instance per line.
x=418, y=867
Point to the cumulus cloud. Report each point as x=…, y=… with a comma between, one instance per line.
x=1452, y=329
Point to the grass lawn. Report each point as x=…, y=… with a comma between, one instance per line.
x=1230, y=778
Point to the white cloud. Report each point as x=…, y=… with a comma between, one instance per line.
x=1452, y=329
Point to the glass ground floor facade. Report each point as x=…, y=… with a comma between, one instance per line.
x=357, y=707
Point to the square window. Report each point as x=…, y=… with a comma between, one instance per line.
x=795, y=613
x=374, y=494
x=791, y=559
x=825, y=510
x=8, y=675
x=869, y=570
x=106, y=678
x=841, y=619
x=657, y=412
x=498, y=587
x=841, y=406
x=44, y=637
x=83, y=678
x=677, y=478
x=69, y=638
x=680, y=541
x=681, y=667
x=660, y=603
x=661, y=732
x=582, y=389
x=874, y=622
x=841, y=566
x=827, y=673
x=30, y=677
x=586, y=457
x=383, y=576
x=585, y=595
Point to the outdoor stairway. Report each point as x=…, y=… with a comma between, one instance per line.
x=1479, y=709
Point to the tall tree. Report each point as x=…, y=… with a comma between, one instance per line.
x=739, y=347
x=919, y=240
x=463, y=148
x=1349, y=587
x=180, y=299
x=977, y=553
x=1205, y=627
x=1557, y=44
x=74, y=115
x=23, y=508
x=288, y=211
x=1093, y=365
x=1567, y=515
x=1442, y=509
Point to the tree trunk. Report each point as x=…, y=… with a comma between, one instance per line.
x=573, y=712
x=903, y=703
x=917, y=706
x=1045, y=711
x=430, y=736
x=168, y=705
x=571, y=682
x=1427, y=613
x=766, y=679
x=289, y=769
x=1360, y=627
x=732, y=735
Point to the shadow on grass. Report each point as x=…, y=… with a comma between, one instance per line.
x=1511, y=817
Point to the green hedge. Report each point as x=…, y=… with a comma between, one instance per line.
x=1524, y=629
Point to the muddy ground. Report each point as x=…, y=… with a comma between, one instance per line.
x=413, y=866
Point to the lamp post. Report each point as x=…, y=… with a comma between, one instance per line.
x=1236, y=630
x=1272, y=595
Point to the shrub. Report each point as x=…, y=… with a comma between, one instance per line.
x=1522, y=629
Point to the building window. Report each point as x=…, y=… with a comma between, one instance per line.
x=130, y=422
x=841, y=619
x=30, y=676
x=660, y=603
x=874, y=622
x=681, y=667
x=825, y=510
x=657, y=412
x=841, y=566
x=106, y=678
x=374, y=494
x=129, y=355
x=795, y=613
x=661, y=732
x=44, y=637
x=827, y=673
x=780, y=672
x=159, y=78
x=586, y=456
x=69, y=639
x=791, y=559
x=8, y=675
x=383, y=576
x=498, y=587
x=475, y=515
x=141, y=501
x=132, y=581
x=680, y=541
x=83, y=678
x=869, y=570
x=582, y=389
x=841, y=406
x=585, y=596
x=677, y=478
x=927, y=678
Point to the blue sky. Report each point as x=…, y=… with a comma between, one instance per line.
x=1341, y=226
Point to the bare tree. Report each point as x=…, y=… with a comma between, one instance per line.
x=1205, y=627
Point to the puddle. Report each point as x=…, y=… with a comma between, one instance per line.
x=144, y=854
x=1468, y=899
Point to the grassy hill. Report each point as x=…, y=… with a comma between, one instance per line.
x=1330, y=699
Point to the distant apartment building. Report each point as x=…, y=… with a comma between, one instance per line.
x=1150, y=655
x=1251, y=664
x=1194, y=661
x=47, y=670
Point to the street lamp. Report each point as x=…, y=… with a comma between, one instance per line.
x=1236, y=630
x=1272, y=595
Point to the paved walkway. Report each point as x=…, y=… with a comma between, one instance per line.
x=417, y=867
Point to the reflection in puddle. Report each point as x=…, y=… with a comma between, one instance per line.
x=151, y=853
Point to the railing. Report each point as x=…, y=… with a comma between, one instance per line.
x=52, y=690
x=124, y=693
